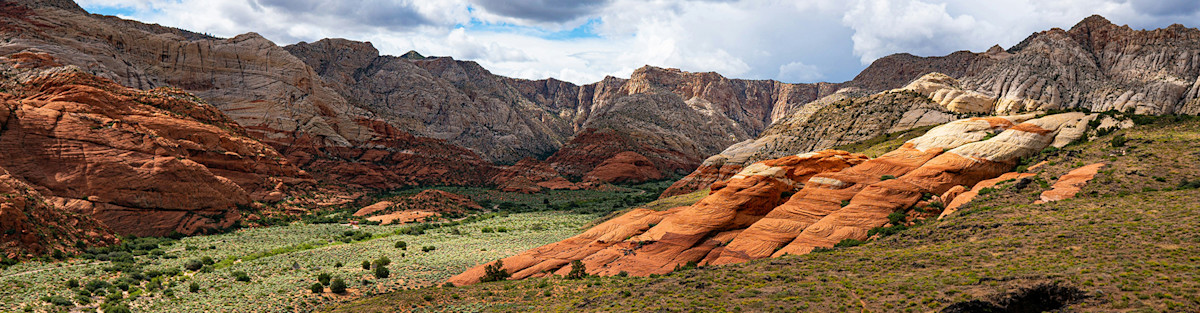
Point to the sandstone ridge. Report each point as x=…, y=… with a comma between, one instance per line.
x=795, y=204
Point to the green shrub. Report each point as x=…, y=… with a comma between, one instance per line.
x=317, y=288
x=383, y=261
x=323, y=279
x=896, y=217
x=207, y=260
x=401, y=245
x=578, y=271
x=194, y=287
x=495, y=272
x=849, y=242
x=1118, y=141
x=115, y=308
x=58, y=300
x=240, y=276
x=337, y=286
x=193, y=264
x=72, y=283
x=887, y=177
x=382, y=272
x=366, y=265
x=428, y=248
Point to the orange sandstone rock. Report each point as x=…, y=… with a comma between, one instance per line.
x=1070, y=184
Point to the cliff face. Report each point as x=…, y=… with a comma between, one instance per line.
x=671, y=117
x=141, y=162
x=273, y=95
x=1095, y=66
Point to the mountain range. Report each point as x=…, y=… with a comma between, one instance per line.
x=133, y=128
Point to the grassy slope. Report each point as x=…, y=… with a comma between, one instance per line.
x=1126, y=246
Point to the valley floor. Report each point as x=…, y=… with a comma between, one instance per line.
x=282, y=263
x=1129, y=242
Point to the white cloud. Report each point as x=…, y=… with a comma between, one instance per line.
x=797, y=71
x=792, y=41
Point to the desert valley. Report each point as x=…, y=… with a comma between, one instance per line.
x=147, y=168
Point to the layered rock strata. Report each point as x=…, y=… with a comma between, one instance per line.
x=795, y=204
x=142, y=162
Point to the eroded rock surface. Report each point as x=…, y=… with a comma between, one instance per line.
x=141, y=162
x=1071, y=183
x=795, y=204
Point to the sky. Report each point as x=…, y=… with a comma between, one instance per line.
x=582, y=41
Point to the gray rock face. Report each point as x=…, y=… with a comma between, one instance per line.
x=1098, y=66
x=507, y=119
x=1095, y=65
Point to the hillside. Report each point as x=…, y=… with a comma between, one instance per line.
x=1107, y=250
x=1094, y=66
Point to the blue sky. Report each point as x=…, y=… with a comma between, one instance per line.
x=583, y=41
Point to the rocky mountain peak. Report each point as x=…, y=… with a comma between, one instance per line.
x=1092, y=22
x=412, y=55
x=61, y=4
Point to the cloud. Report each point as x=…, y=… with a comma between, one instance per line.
x=553, y=11
x=798, y=71
x=583, y=41
x=1166, y=7
x=883, y=27
x=363, y=13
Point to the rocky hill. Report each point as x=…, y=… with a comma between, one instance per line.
x=1094, y=66
x=141, y=162
x=799, y=203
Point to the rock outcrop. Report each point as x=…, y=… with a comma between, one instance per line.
x=141, y=162
x=273, y=95
x=840, y=119
x=795, y=204
x=426, y=204
x=1071, y=183
x=32, y=226
x=1095, y=66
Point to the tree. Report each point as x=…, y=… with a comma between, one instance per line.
x=323, y=278
x=495, y=272
x=241, y=276
x=577, y=270
x=338, y=286
x=193, y=264
x=382, y=272
x=317, y=288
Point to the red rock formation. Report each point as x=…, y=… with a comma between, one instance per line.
x=677, y=236
x=141, y=162
x=529, y=176
x=966, y=196
x=625, y=167
x=427, y=203
x=1070, y=184
x=751, y=215
x=34, y=227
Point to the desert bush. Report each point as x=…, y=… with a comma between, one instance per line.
x=495, y=272
x=578, y=271
x=317, y=288
x=323, y=279
x=382, y=272
x=337, y=286
x=240, y=276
